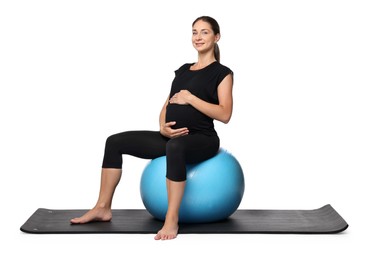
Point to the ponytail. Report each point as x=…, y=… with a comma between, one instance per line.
x=216, y=52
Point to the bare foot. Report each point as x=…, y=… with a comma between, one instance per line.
x=95, y=214
x=168, y=231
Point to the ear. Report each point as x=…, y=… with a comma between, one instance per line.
x=217, y=37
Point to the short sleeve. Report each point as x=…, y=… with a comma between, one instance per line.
x=223, y=72
x=182, y=69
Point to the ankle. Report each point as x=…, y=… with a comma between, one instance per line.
x=174, y=218
x=102, y=205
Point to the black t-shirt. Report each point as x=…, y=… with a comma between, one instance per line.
x=202, y=83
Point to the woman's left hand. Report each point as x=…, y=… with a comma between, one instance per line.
x=181, y=98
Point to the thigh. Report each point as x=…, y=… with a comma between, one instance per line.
x=142, y=144
x=197, y=147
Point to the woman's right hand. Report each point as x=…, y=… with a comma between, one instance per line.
x=167, y=131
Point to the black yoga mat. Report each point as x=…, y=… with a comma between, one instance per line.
x=324, y=220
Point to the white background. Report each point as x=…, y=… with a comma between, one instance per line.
x=74, y=72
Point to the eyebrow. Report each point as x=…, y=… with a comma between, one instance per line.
x=201, y=30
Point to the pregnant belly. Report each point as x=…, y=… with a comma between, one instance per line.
x=183, y=115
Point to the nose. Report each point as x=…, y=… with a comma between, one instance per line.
x=198, y=36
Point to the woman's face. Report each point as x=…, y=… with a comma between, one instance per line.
x=203, y=37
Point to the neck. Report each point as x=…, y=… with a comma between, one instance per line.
x=205, y=60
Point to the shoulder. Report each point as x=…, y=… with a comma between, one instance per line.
x=223, y=70
x=183, y=68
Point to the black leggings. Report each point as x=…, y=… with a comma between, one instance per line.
x=179, y=151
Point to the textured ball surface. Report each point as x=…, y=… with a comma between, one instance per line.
x=214, y=189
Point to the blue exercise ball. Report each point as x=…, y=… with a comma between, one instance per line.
x=214, y=189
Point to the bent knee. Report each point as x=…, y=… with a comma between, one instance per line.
x=174, y=146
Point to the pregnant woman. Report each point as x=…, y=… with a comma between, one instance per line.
x=201, y=92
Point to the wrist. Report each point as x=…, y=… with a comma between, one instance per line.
x=190, y=99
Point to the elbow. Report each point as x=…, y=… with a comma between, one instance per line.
x=225, y=116
x=226, y=119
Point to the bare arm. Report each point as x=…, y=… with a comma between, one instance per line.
x=221, y=112
x=162, y=115
x=166, y=128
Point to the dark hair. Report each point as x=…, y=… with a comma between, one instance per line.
x=216, y=30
